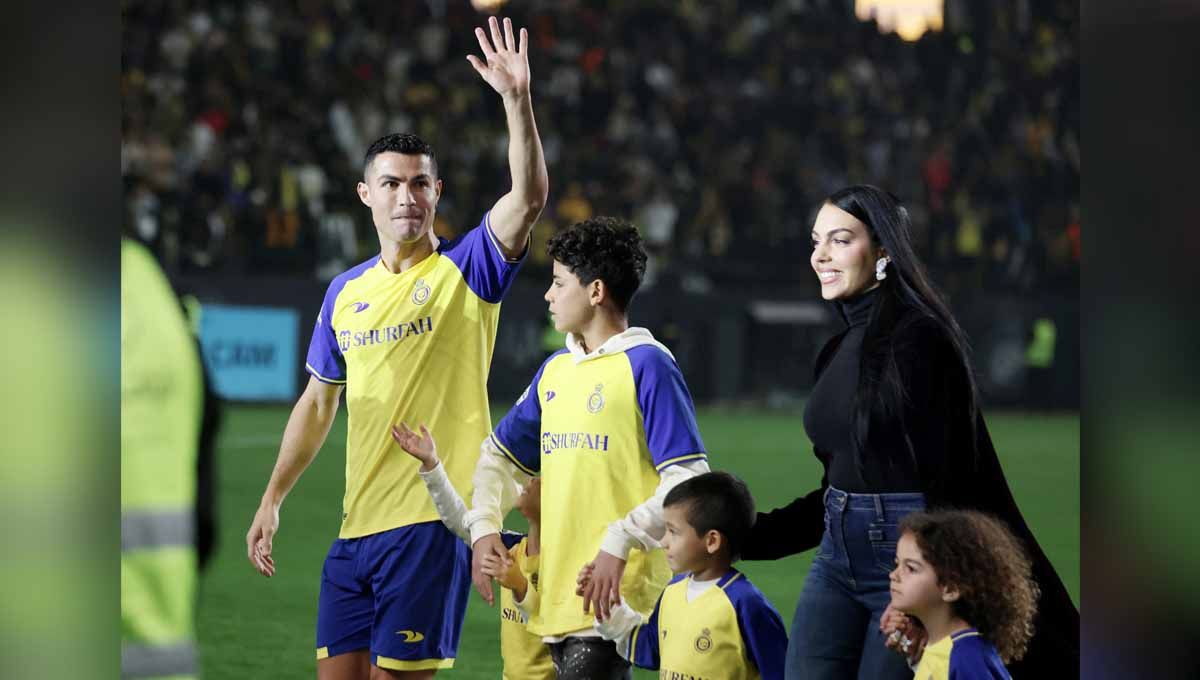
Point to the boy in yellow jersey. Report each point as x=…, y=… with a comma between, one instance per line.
x=609, y=424
x=710, y=622
x=417, y=320
x=525, y=656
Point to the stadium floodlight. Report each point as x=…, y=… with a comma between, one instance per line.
x=908, y=19
x=488, y=6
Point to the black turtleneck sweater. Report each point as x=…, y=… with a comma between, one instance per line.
x=829, y=417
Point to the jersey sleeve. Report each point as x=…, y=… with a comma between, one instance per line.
x=973, y=659
x=511, y=539
x=643, y=649
x=518, y=436
x=668, y=414
x=763, y=633
x=325, y=361
x=477, y=254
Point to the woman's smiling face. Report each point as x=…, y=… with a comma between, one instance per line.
x=843, y=255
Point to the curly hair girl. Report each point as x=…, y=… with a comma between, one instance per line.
x=966, y=567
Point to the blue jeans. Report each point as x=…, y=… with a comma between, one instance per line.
x=835, y=633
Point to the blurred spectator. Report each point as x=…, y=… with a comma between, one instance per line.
x=714, y=126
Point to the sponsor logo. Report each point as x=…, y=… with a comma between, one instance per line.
x=513, y=614
x=550, y=394
x=411, y=636
x=360, y=306
x=553, y=441
x=595, y=402
x=348, y=340
x=420, y=292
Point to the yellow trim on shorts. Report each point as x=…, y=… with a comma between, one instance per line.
x=418, y=665
x=322, y=653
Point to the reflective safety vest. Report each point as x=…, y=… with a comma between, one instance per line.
x=162, y=402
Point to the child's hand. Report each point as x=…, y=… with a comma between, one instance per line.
x=420, y=446
x=890, y=620
x=585, y=578
x=603, y=590
x=506, y=573
x=903, y=635
x=621, y=621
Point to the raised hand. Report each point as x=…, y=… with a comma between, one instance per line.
x=421, y=447
x=505, y=64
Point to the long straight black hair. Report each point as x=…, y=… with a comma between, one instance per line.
x=906, y=296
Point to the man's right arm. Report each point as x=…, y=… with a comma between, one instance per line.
x=306, y=431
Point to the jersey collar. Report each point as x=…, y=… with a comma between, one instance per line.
x=631, y=337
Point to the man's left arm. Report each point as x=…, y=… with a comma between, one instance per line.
x=505, y=67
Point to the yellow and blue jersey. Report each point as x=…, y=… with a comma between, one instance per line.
x=525, y=656
x=414, y=347
x=965, y=655
x=728, y=632
x=598, y=429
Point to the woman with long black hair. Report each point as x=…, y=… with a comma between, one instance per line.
x=894, y=420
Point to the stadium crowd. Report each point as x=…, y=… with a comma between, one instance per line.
x=714, y=125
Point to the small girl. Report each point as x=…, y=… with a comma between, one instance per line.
x=967, y=579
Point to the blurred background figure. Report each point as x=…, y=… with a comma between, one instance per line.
x=715, y=126
x=168, y=425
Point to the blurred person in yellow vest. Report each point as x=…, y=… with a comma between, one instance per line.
x=168, y=425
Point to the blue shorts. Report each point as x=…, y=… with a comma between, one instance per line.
x=402, y=594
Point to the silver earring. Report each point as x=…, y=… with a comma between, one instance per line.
x=880, y=265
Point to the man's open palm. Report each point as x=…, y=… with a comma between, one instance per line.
x=505, y=64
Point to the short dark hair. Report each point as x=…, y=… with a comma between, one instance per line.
x=400, y=142
x=605, y=248
x=716, y=500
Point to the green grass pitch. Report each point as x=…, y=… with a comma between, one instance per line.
x=252, y=627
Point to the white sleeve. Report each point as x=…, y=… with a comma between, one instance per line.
x=621, y=623
x=497, y=484
x=644, y=527
x=449, y=504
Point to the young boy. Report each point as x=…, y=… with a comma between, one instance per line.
x=609, y=424
x=525, y=655
x=710, y=621
x=967, y=579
